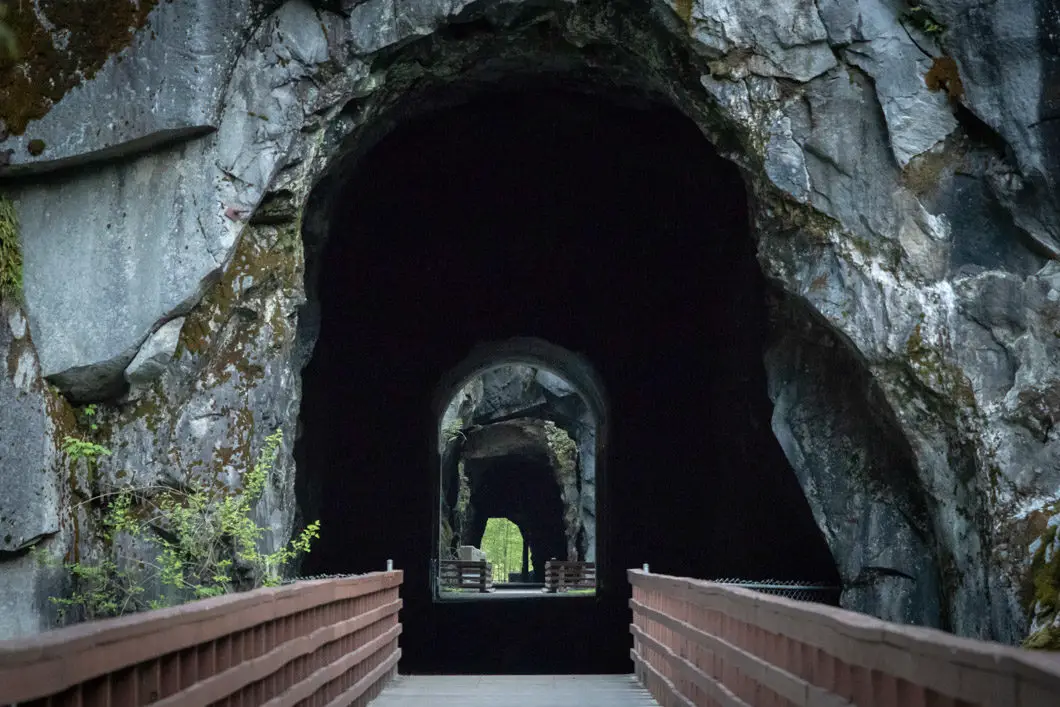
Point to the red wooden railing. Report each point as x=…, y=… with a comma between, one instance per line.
x=701, y=643
x=467, y=574
x=561, y=576
x=320, y=642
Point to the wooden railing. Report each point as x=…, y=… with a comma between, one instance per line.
x=700, y=643
x=308, y=643
x=464, y=574
x=564, y=576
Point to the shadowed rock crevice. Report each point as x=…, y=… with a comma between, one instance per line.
x=856, y=469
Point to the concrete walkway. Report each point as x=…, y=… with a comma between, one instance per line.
x=502, y=594
x=515, y=691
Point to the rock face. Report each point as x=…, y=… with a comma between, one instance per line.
x=32, y=505
x=905, y=172
x=874, y=514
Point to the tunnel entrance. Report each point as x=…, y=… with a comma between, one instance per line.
x=520, y=440
x=504, y=542
x=611, y=230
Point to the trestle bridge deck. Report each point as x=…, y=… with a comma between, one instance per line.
x=335, y=642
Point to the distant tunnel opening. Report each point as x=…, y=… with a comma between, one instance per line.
x=525, y=491
x=612, y=231
x=521, y=426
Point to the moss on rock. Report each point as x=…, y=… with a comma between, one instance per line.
x=10, y=252
x=1042, y=589
x=564, y=451
x=933, y=369
x=59, y=45
x=1045, y=639
x=267, y=258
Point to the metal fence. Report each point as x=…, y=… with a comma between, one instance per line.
x=801, y=591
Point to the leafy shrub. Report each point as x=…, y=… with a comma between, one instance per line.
x=205, y=536
x=919, y=17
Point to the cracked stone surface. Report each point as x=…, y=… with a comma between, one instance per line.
x=912, y=220
x=33, y=500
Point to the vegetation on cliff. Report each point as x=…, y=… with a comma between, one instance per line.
x=164, y=545
x=10, y=252
x=1044, y=590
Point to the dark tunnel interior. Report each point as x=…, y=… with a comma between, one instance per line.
x=525, y=492
x=615, y=232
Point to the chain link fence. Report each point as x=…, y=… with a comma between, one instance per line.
x=801, y=591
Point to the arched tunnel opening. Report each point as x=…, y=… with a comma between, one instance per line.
x=520, y=440
x=505, y=542
x=612, y=230
x=525, y=491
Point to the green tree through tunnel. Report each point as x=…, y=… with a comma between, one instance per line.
x=503, y=544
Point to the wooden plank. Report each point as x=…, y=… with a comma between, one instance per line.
x=672, y=692
x=320, y=677
x=957, y=667
x=57, y=660
x=248, y=672
x=787, y=685
x=364, y=684
x=515, y=691
x=717, y=690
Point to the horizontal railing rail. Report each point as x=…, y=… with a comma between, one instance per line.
x=467, y=574
x=562, y=576
x=314, y=642
x=703, y=643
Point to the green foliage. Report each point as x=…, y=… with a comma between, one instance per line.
x=503, y=544
x=1044, y=639
x=1044, y=592
x=8, y=43
x=453, y=430
x=205, y=537
x=563, y=448
x=77, y=448
x=10, y=252
x=920, y=18
x=463, y=492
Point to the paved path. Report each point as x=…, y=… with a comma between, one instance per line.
x=515, y=691
x=502, y=594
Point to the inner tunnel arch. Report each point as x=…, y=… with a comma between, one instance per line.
x=533, y=384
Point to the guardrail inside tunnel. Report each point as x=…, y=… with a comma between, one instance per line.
x=704, y=643
x=306, y=643
x=803, y=591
